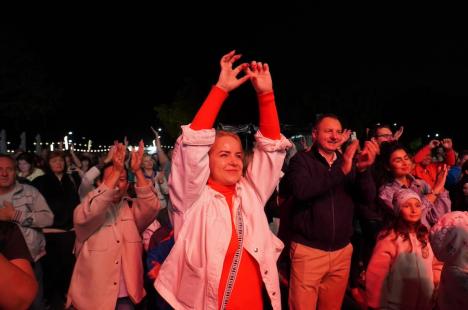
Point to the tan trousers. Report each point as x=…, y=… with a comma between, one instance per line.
x=318, y=278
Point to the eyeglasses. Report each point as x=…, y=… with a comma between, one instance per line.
x=386, y=136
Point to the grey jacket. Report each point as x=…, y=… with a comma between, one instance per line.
x=32, y=214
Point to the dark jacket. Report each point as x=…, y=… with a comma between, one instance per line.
x=61, y=196
x=323, y=200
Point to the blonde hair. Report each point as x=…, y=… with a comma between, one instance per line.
x=223, y=133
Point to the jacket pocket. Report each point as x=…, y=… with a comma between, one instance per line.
x=99, y=241
x=191, y=285
x=130, y=231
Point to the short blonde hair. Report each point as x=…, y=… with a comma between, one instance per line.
x=224, y=133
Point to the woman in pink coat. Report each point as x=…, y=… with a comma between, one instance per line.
x=108, y=272
x=400, y=272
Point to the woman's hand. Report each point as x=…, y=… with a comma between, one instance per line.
x=228, y=77
x=118, y=158
x=260, y=76
x=137, y=157
x=439, y=185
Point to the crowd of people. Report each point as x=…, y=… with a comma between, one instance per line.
x=361, y=225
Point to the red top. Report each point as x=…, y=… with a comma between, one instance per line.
x=269, y=123
x=429, y=173
x=247, y=290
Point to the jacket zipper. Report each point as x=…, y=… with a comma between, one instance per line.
x=333, y=216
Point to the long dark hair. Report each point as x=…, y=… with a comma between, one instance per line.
x=382, y=166
x=402, y=228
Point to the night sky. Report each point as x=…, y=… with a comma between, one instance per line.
x=365, y=67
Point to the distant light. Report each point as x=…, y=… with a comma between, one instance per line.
x=151, y=149
x=436, y=134
x=8, y=142
x=34, y=143
x=70, y=133
x=428, y=136
x=159, y=129
x=394, y=124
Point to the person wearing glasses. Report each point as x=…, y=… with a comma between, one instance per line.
x=383, y=133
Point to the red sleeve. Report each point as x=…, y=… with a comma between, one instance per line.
x=269, y=122
x=425, y=151
x=450, y=158
x=206, y=115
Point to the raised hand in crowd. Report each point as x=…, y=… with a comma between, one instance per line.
x=137, y=157
x=398, y=133
x=434, y=143
x=259, y=74
x=228, y=79
x=447, y=143
x=439, y=184
x=348, y=156
x=118, y=164
x=162, y=157
x=367, y=157
x=345, y=137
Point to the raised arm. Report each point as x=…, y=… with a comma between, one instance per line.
x=264, y=171
x=75, y=158
x=163, y=159
x=148, y=203
x=450, y=157
x=227, y=82
x=90, y=215
x=259, y=74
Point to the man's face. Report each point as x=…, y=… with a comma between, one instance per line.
x=328, y=134
x=383, y=135
x=426, y=161
x=7, y=173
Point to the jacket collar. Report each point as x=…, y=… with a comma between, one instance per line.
x=314, y=153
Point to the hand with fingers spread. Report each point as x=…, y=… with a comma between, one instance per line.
x=260, y=77
x=228, y=78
